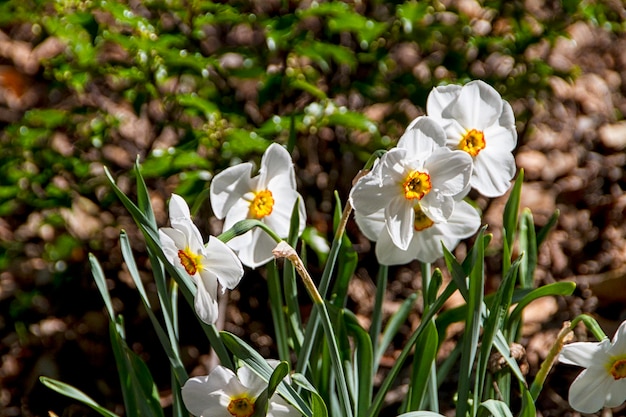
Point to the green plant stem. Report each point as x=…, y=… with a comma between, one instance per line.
x=564, y=336
x=283, y=250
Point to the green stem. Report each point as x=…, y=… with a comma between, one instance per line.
x=283, y=250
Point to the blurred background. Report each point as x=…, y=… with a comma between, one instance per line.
x=188, y=88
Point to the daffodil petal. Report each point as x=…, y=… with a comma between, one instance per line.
x=388, y=253
x=371, y=225
x=253, y=383
x=278, y=407
x=205, y=302
x=618, y=345
x=399, y=217
x=493, y=173
x=276, y=163
x=440, y=98
x=581, y=353
x=588, y=392
x=477, y=106
x=223, y=263
x=422, y=137
x=450, y=171
x=228, y=187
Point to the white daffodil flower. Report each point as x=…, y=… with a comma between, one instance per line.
x=420, y=172
x=478, y=121
x=224, y=394
x=603, y=382
x=428, y=235
x=205, y=264
x=268, y=197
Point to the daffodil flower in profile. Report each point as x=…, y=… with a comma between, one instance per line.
x=603, y=382
x=428, y=235
x=419, y=172
x=223, y=393
x=478, y=121
x=268, y=197
x=205, y=264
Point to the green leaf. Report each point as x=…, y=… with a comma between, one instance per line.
x=425, y=355
x=280, y=372
x=556, y=288
x=71, y=392
x=141, y=397
x=318, y=406
x=363, y=366
x=543, y=232
x=494, y=408
x=528, y=246
x=396, y=321
x=511, y=210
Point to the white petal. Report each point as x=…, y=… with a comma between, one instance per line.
x=253, y=383
x=207, y=396
x=178, y=209
x=368, y=195
x=371, y=225
x=507, y=118
x=276, y=162
x=437, y=206
x=583, y=354
x=504, y=138
x=587, y=393
x=171, y=241
x=278, y=407
x=259, y=251
x=399, y=217
x=440, y=98
x=450, y=171
x=618, y=345
x=223, y=262
x=228, y=187
x=280, y=218
x=617, y=394
x=238, y=211
x=424, y=136
x=493, y=173
x=205, y=302
x=477, y=106
x=387, y=253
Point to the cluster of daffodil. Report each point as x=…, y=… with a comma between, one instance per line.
x=412, y=201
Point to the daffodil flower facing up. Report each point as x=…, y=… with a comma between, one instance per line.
x=419, y=176
x=603, y=382
x=479, y=122
x=224, y=394
x=269, y=197
x=205, y=264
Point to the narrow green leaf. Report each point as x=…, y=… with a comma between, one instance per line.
x=377, y=314
x=393, y=325
x=169, y=344
x=276, y=308
x=143, y=196
x=556, y=288
x=318, y=406
x=528, y=246
x=98, y=276
x=378, y=400
x=76, y=394
x=425, y=355
x=362, y=363
x=494, y=408
x=511, y=210
x=543, y=232
x=280, y=372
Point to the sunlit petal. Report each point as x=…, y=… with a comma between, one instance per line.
x=588, y=392
x=228, y=187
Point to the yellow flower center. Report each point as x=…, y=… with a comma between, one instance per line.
x=241, y=406
x=421, y=221
x=472, y=142
x=189, y=260
x=618, y=369
x=262, y=204
x=416, y=185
